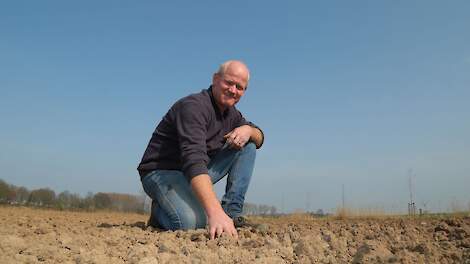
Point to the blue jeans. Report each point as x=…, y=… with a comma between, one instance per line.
x=175, y=205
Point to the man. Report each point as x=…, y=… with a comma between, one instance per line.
x=201, y=139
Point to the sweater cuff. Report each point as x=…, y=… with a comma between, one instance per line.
x=262, y=134
x=194, y=170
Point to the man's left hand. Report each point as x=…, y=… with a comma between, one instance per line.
x=238, y=137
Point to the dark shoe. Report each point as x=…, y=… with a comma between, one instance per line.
x=152, y=222
x=242, y=222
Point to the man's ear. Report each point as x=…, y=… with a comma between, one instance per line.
x=214, y=77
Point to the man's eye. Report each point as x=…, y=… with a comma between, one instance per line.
x=231, y=83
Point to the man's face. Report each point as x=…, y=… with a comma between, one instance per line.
x=229, y=87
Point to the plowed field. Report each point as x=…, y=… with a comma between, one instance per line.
x=47, y=236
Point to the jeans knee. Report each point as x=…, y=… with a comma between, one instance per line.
x=192, y=220
x=187, y=223
x=249, y=147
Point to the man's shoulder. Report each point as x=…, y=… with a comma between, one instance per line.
x=201, y=98
x=194, y=104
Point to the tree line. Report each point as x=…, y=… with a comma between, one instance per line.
x=46, y=197
x=259, y=209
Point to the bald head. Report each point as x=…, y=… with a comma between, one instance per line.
x=229, y=83
x=236, y=67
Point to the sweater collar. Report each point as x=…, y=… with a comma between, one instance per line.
x=214, y=104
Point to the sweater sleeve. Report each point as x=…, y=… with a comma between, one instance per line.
x=191, y=127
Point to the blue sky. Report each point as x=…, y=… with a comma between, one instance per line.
x=354, y=93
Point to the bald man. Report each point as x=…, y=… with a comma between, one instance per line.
x=200, y=140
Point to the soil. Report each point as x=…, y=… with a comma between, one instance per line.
x=47, y=236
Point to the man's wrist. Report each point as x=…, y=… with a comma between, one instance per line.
x=213, y=210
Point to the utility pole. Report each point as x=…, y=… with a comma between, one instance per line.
x=343, y=203
x=307, y=202
x=411, y=204
x=282, y=203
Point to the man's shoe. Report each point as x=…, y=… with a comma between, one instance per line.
x=242, y=222
x=152, y=222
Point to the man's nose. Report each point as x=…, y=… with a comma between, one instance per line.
x=233, y=88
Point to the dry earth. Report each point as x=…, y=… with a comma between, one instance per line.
x=47, y=236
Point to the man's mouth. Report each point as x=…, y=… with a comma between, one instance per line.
x=231, y=96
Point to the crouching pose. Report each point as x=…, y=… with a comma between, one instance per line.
x=200, y=140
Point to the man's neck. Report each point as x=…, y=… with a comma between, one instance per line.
x=221, y=108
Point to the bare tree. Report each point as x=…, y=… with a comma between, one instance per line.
x=102, y=201
x=64, y=200
x=4, y=191
x=42, y=197
x=22, y=195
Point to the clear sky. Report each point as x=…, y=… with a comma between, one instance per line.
x=347, y=92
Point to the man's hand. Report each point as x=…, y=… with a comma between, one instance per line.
x=238, y=137
x=219, y=222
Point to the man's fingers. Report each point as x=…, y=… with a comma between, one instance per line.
x=235, y=145
x=234, y=142
x=235, y=233
x=231, y=136
x=219, y=231
x=212, y=232
x=228, y=134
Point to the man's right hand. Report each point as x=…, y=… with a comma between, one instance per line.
x=218, y=220
x=220, y=223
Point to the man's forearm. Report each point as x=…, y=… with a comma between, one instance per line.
x=256, y=137
x=202, y=187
